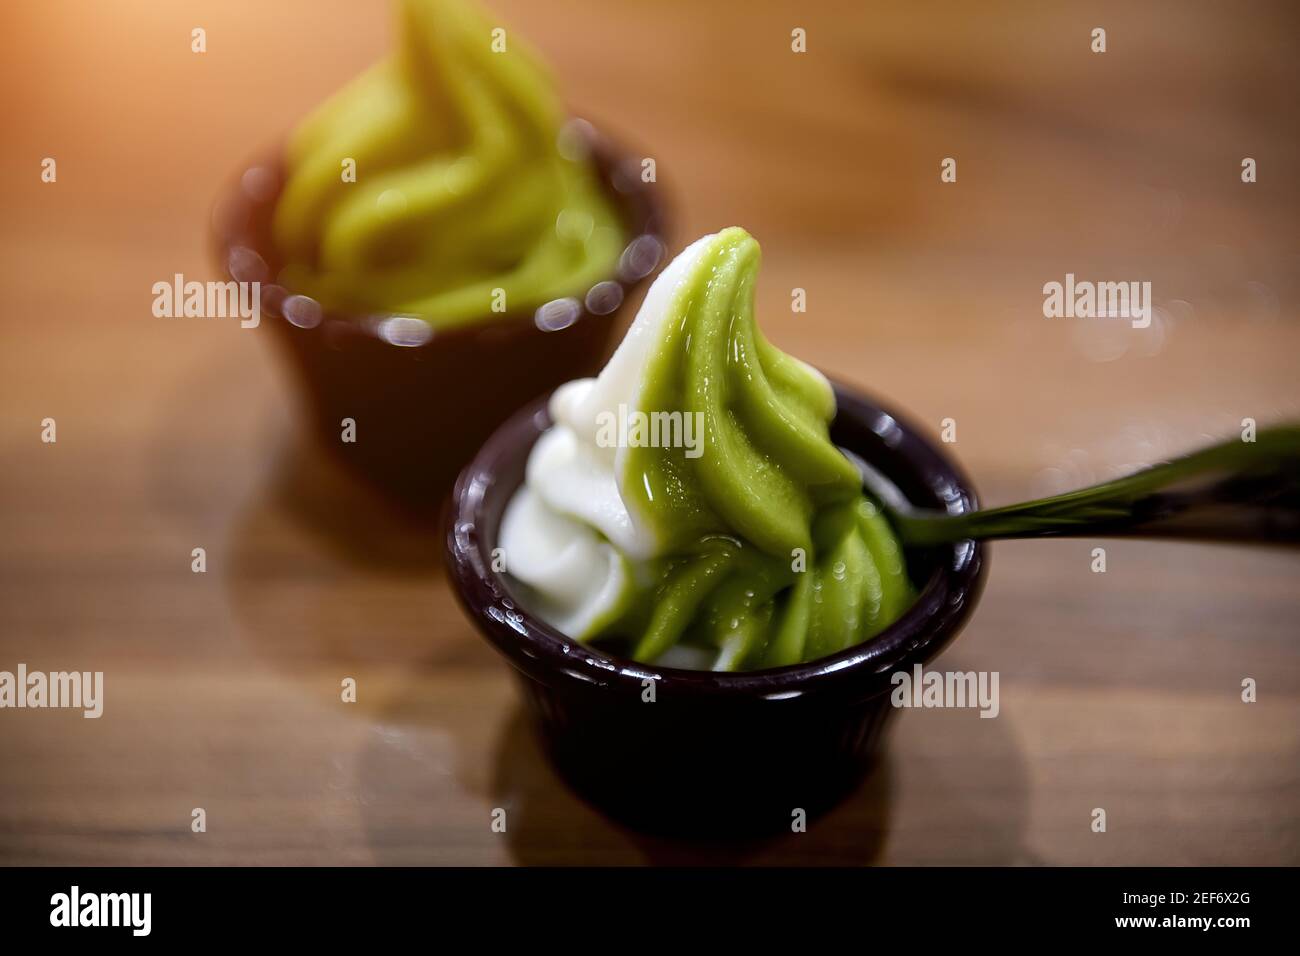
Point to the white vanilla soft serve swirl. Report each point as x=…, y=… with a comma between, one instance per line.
x=567, y=529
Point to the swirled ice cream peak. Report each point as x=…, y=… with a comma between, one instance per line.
x=689, y=500
x=436, y=184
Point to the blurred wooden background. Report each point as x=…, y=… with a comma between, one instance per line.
x=1119, y=690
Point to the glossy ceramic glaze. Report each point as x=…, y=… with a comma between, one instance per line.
x=713, y=753
x=424, y=400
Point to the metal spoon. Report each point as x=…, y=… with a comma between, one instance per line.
x=1234, y=491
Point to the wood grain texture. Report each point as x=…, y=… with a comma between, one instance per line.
x=1119, y=690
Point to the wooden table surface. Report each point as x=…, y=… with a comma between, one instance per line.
x=1118, y=690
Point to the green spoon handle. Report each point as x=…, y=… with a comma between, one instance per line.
x=1235, y=491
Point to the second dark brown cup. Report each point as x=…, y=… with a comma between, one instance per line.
x=423, y=403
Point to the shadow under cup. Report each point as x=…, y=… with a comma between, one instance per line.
x=713, y=754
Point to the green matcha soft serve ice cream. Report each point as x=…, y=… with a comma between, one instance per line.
x=435, y=184
x=688, y=506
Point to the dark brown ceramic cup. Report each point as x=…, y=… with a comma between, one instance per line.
x=422, y=402
x=713, y=754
